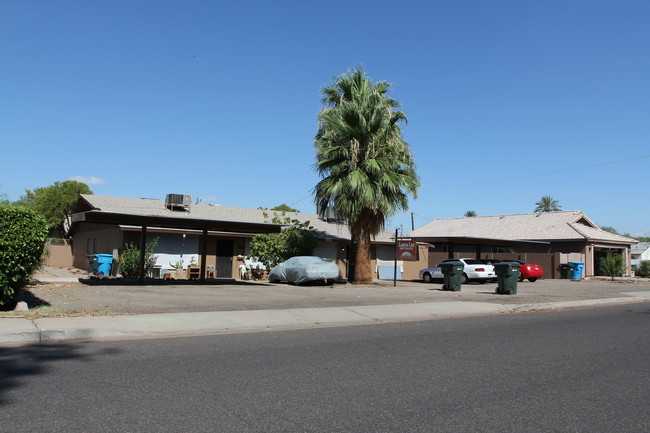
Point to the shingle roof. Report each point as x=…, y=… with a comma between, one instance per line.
x=154, y=207
x=543, y=226
x=640, y=247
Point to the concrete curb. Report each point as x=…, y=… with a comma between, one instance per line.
x=576, y=304
x=22, y=330
x=18, y=330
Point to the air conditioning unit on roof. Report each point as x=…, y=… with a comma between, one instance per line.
x=178, y=202
x=330, y=216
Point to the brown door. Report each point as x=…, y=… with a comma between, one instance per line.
x=225, y=249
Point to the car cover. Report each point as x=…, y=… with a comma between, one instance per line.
x=303, y=269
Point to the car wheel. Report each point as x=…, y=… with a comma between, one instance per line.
x=532, y=280
x=521, y=279
x=464, y=279
x=427, y=278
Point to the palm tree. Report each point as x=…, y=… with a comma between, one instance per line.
x=470, y=213
x=366, y=168
x=547, y=204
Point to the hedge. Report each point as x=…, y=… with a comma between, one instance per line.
x=22, y=237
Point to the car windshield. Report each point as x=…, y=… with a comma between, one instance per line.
x=473, y=262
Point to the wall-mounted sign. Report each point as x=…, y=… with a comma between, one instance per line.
x=407, y=251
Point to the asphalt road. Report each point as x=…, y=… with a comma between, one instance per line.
x=571, y=371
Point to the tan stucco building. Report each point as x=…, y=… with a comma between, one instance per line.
x=547, y=238
x=102, y=224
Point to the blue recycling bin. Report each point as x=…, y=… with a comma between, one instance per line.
x=576, y=270
x=105, y=262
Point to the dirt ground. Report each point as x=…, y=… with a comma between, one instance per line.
x=64, y=299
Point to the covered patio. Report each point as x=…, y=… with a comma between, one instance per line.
x=146, y=222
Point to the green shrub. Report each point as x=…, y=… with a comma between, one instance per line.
x=643, y=270
x=274, y=248
x=130, y=259
x=22, y=237
x=612, y=265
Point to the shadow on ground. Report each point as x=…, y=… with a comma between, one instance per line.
x=25, y=295
x=32, y=300
x=19, y=364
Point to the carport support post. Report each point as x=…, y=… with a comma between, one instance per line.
x=204, y=253
x=143, y=246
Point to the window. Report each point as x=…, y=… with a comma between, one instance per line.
x=497, y=250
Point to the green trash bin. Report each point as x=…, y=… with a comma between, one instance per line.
x=452, y=273
x=565, y=271
x=507, y=276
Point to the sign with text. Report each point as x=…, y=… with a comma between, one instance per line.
x=407, y=251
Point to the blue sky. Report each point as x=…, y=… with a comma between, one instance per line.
x=507, y=100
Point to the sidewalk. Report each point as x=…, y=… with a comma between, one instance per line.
x=49, y=274
x=112, y=312
x=25, y=330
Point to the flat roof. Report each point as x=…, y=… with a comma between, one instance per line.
x=101, y=217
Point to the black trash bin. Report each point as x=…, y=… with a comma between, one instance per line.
x=93, y=261
x=452, y=272
x=507, y=276
x=565, y=271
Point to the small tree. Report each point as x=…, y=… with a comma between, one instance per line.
x=22, y=237
x=54, y=202
x=284, y=208
x=612, y=265
x=274, y=248
x=470, y=213
x=130, y=259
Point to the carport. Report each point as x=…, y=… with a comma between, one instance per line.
x=450, y=247
x=602, y=251
x=150, y=221
x=545, y=238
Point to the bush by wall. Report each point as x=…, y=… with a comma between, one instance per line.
x=274, y=248
x=612, y=265
x=643, y=270
x=22, y=236
x=130, y=259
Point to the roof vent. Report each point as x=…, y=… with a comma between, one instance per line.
x=178, y=202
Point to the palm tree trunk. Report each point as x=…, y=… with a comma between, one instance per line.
x=363, y=270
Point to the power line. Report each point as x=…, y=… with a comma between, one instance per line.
x=304, y=198
x=543, y=174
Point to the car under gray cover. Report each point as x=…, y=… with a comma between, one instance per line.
x=302, y=269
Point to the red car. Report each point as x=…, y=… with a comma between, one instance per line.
x=529, y=272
